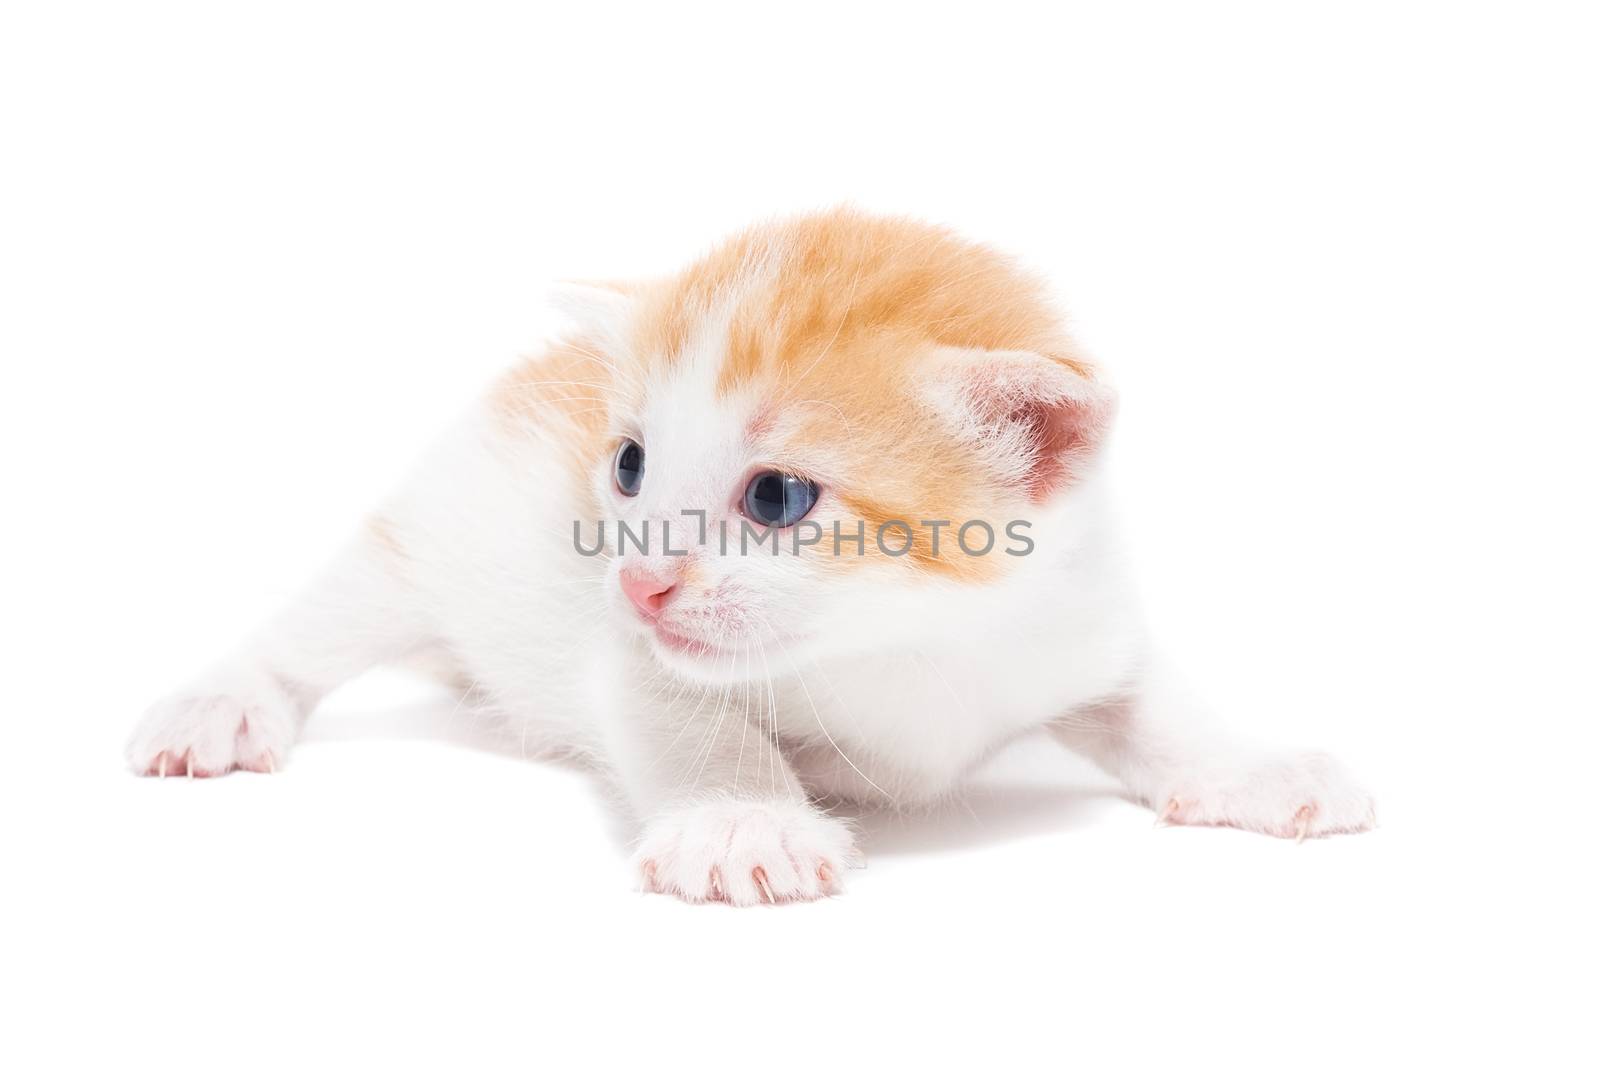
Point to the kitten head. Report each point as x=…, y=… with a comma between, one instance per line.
x=839, y=421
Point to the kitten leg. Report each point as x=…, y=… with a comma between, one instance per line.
x=245, y=712
x=725, y=818
x=1193, y=774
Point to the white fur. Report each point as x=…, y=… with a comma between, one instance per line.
x=873, y=683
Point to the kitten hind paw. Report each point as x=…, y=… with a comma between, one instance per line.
x=1301, y=796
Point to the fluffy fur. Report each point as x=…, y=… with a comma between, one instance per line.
x=914, y=377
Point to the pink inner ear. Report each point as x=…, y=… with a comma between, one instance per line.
x=1060, y=416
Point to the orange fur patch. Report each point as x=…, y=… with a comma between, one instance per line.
x=809, y=290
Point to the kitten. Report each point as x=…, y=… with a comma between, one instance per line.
x=900, y=418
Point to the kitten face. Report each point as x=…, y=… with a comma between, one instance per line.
x=909, y=378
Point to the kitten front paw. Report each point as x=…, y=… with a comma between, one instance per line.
x=1306, y=795
x=744, y=852
x=238, y=717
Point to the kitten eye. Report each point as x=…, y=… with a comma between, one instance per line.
x=629, y=472
x=775, y=499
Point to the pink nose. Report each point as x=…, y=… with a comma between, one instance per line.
x=648, y=593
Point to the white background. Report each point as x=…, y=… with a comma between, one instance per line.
x=1342, y=260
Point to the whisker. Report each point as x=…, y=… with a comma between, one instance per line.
x=816, y=715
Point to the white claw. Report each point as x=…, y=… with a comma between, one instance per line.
x=1302, y=820
x=1166, y=813
x=188, y=765
x=271, y=767
x=161, y=765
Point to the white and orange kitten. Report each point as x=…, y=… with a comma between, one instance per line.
x=863, y=544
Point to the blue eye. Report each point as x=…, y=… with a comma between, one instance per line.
x=629, y=465
x=775, y=499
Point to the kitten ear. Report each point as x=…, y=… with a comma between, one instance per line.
x=1038, y=419
x=600, y=309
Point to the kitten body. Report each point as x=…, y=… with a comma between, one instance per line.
x=922, y=389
